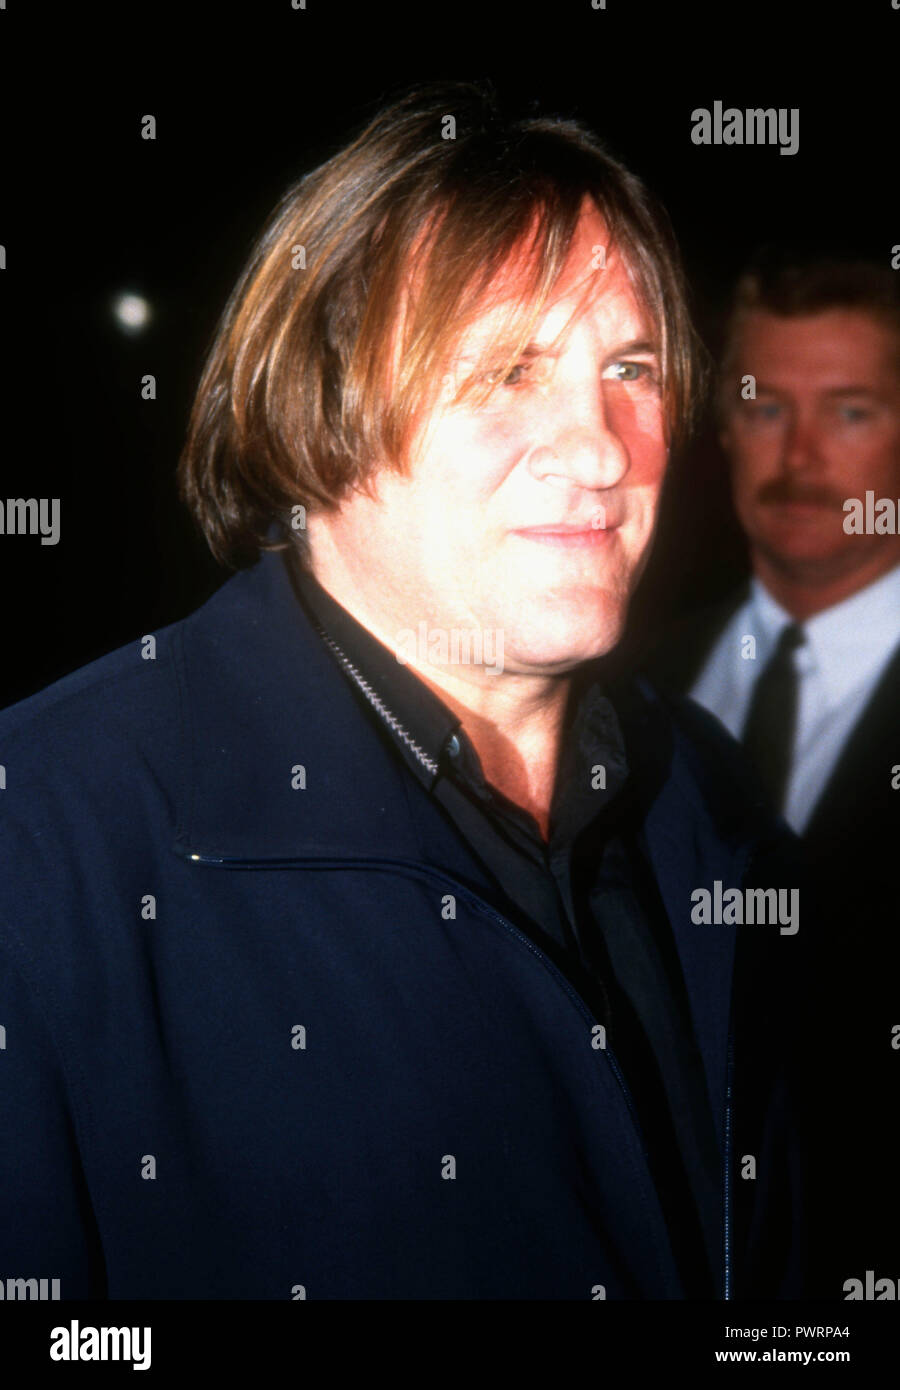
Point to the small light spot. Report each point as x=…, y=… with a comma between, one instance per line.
x=132, y=312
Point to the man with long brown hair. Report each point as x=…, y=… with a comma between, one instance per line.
x=353, y=921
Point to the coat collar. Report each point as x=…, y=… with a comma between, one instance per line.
x=261, y=699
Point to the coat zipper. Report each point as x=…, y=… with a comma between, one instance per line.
x=234, y=862
x=461, y=891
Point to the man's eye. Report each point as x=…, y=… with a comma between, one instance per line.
x=853, y=414
x=630, y=371
x=514, y=377
x=762, y=410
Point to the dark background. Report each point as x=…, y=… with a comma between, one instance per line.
x=247, y=98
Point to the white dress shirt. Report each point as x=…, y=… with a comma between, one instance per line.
x=846, y=651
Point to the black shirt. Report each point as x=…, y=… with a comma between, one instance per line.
x=586, y=896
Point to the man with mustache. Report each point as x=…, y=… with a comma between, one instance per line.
x=803, y=665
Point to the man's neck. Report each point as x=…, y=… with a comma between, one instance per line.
x=803, y=595
x=515, y=724
x=514, y=721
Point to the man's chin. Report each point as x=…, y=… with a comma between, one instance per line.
x=556, y=654
x=808, y=559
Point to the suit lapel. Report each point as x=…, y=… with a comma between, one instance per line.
x=860, y=783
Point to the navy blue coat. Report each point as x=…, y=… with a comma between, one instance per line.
x=266, y=1037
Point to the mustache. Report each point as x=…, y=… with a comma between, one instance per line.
x=780, y=490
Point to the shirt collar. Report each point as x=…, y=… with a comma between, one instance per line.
x=846, y=644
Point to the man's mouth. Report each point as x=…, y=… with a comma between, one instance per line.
x=799, y=501
x=800, y=513
x=570, y=534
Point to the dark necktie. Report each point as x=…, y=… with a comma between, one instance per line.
x=768, y=734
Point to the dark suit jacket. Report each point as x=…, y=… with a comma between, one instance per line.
x=851, y=956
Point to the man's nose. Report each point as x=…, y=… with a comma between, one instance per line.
x=584, y=448
x=800, y=447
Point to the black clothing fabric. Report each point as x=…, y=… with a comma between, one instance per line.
x=587, y=896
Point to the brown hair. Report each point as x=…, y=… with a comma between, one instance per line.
x=370, y=269
x=794, y=284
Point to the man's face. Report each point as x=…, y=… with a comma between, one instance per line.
x=824, y=427
x=531, y=515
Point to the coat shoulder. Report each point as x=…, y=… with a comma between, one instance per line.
x=674, y=660
x=94, y=736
